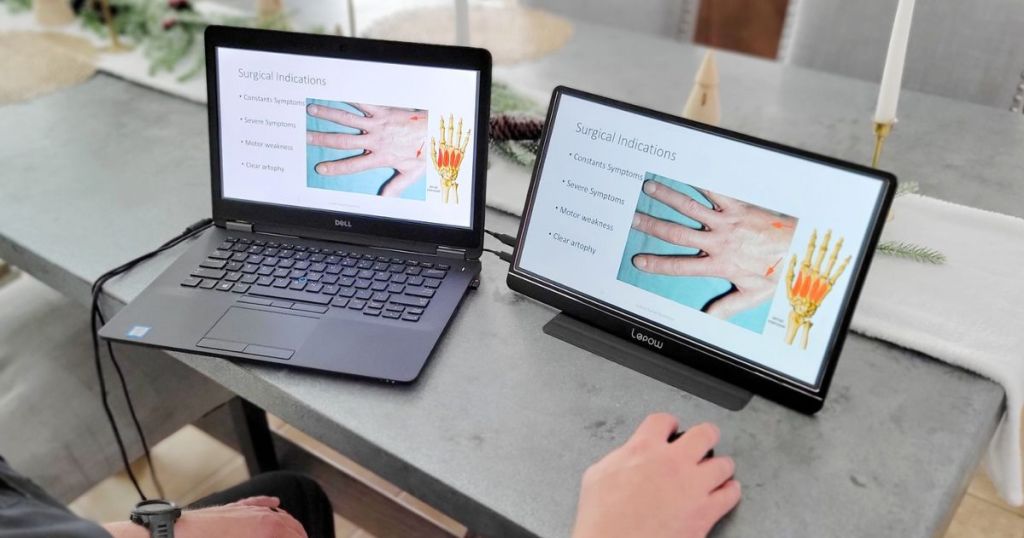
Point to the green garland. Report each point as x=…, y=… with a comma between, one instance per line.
x=911, y=251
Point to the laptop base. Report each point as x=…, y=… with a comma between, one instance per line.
x=634, y=357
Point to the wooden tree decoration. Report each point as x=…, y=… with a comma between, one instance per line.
x=703, y=104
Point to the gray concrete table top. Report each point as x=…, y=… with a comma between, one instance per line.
x=505, y=419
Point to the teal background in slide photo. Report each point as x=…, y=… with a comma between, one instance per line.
x=691, y=291
x=367, y=182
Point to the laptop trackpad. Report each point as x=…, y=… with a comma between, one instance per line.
x=270, y=329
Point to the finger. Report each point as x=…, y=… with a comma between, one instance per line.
x=397, y=184
x=465, y=141
x=806, y=264
x=673, y=265
x=839, y=272
x=789, y=276
x=349, y=165
x=714, y=472
x=832, y=258
x=292, y=524
x=442, y=132
x=335, y=140
x=451, y=124
x=681, y=203
x=718, y=201
x=339, y=116
x=656, y=427
x=260, y=500
x=724, y=499
x=731, y=303
x=369, y=110
x=673, y=232
x=695, y=443
x=822, y=250
x=458, y=135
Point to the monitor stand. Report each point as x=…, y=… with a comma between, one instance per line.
x=647, y=362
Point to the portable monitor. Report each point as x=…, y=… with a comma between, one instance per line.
x=732, y=255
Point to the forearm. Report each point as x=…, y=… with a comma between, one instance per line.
x=125, y=529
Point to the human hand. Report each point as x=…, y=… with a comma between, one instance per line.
x=254, y=517
x=739, y=242
x=391, y=138
x=811, y=287
x=448, y=159
x=650, y=488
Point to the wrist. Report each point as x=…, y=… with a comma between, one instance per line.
x=125, y=529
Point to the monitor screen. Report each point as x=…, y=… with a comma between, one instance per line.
x=724, y=242
x=357, y=137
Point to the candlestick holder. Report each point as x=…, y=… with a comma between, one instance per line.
x=882, y=131
x=115, y=40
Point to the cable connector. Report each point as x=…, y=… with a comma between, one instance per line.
x=506, y=239
x=506, y=256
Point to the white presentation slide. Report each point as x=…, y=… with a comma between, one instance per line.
x=355, y=137
x=746, y=249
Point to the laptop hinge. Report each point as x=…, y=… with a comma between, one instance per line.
x=238, y=226
x=451, y=252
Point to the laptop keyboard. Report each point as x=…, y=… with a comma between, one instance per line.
x=312, y=279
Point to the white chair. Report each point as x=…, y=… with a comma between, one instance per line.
x=970, y=50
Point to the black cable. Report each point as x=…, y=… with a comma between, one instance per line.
x=503, y=255
x=96, y=315
x=506, y=239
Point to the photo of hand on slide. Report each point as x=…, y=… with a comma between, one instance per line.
x=371, y=149
x=706, y=250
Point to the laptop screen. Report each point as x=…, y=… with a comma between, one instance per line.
x=355, y=137
x=745, y=249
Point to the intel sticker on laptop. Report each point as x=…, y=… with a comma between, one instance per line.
x=138, y=331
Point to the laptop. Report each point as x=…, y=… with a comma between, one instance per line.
x=348, y=182
x=718, y=251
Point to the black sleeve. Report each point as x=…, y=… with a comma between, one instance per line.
x=26, y=511
x=25, y=517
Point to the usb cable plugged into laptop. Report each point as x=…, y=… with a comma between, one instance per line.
x=507, y=257
x=96, y=320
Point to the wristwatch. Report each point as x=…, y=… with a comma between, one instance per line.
x=158, y=516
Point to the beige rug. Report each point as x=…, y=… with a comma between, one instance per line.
x=35, y=63
x=512, y=34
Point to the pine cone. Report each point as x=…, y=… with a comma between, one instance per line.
x=508, y=127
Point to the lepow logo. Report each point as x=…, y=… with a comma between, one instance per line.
x=641, y=337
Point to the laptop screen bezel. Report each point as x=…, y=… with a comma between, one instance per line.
x=323, y=223
x=678, y=346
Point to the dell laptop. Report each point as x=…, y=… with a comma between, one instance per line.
x=348, y=202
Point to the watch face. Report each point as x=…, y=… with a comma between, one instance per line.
x=154, y=507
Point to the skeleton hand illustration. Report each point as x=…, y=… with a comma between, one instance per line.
x=811, y=286
x=448, y=158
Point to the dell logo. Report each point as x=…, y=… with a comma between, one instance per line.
x=342, y=223
x=641, y=337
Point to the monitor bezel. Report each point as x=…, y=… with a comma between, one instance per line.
x=678, y=346
x=325, y=224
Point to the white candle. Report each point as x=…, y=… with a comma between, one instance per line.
x=462, y=22
x=351, y=18
x=892, y=76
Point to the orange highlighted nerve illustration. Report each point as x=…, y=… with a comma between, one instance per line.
x=448, y=155
x=811, y=285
